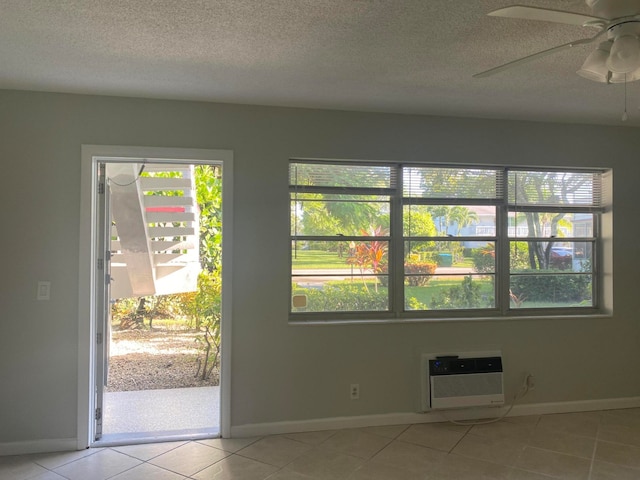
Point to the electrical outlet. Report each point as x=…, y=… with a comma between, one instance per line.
x=531, y=382
x=355, y=391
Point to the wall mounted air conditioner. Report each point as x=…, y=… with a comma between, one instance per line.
x=462, y=380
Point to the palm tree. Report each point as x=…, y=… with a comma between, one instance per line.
x=442, y=213
x=462, y=216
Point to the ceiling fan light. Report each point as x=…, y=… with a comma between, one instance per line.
x=622, y=77
x=595, y=66
x=625, y=54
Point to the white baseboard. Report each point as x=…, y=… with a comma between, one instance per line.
x=575, y=406
x=39, y=446
x=334, y=423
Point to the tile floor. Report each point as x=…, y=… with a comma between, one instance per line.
x=578, y=446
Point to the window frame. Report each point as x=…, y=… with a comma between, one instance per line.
x=502, y=273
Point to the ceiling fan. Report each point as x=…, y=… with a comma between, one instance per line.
x=615, y=60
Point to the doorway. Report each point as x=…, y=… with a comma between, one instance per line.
x=159, y=328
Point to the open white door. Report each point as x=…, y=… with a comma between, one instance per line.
x=99, y=271
x=102, y=296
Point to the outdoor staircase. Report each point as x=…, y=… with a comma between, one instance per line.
x=154, y=229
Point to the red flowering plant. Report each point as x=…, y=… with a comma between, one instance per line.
x=369, y=255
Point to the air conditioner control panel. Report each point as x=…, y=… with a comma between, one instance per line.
x=453, y=365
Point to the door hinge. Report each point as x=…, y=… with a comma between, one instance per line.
x=100, y=264
x=99, y=338
x=102, y=173
x=98, y=413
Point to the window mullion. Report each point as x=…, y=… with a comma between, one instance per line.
x=396, y=248
x=503, y=247
x=596, y=263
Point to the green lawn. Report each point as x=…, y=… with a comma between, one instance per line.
x=310, y=259
x=466, y=262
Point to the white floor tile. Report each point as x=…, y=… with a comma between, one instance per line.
x=554, y=464
x=147, y=451
x=500, y=451
x=277, y=451
x=19, y=468
x=236, y=467
x=625, y=455
x=356, y=443
x=231, y=445
x=440, y=436
x=102, y=465
x=312, y=438
x=408, y=456
x=57, y=459
x=323, y=464
x=146, y=471
x=189, y=458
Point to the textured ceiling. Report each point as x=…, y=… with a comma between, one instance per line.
x=405, y=56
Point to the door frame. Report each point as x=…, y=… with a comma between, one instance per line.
x=91, y=156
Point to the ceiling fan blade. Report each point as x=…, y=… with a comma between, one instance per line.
x=548, y=15
x=536, y=56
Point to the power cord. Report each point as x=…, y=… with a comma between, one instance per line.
x=111, y=180
x=520, y=394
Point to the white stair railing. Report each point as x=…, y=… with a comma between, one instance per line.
x=168, y=215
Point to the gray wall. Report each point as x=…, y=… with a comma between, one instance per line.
x=282, y=372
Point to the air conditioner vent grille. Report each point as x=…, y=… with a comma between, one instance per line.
x=447, y=386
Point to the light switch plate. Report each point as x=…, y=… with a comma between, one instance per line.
x=44, y=290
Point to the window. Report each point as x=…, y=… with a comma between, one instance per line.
x=385, y=240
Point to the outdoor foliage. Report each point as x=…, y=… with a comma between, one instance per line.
x=457, y=216
x=418, y=222
x=203, y=309
x=132, y=312
x=484, y=259
x=541, y=188
x=423, y=271
x=412, y=303
x=344, y=297
x=551, y=288
x=209, y=197
x=465, y=295
x=369, y=256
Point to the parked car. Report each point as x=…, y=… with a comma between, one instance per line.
x=561, y=257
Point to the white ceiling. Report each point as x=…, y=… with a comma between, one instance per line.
x=406, y=56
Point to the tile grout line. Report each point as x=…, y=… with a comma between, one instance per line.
x=459, y=440
x=595, y=447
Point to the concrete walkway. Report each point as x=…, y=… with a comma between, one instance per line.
x=155, y=414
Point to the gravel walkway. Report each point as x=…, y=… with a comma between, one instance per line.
x=154, y=359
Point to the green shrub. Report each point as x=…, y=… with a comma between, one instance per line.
x=483, y=260
x=551, y=288
x=412, y=303
x=343, y=297
x=423, y=269
x=204, y=311
x=463, y=296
